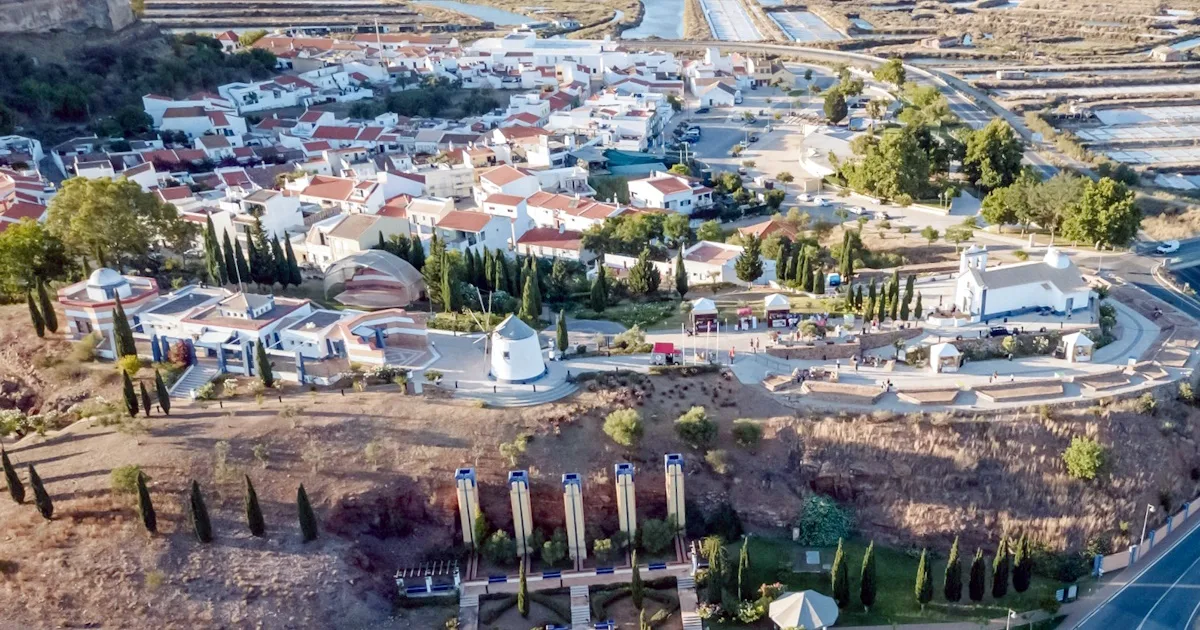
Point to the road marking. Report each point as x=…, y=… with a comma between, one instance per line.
x=1193, y=617
x=1164, y=595
x=1139, y=575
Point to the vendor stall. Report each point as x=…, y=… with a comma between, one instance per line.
x=1076, y=348
x=704, y=315
x=943, y=357
x=777, y=310
x=663, y=353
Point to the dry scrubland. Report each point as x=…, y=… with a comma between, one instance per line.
x=378, y=469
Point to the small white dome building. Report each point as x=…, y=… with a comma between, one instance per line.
x=516, y=352
x=106, y=284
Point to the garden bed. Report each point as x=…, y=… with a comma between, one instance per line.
x=1015, y=392
x=842, y=393
x=929, y=396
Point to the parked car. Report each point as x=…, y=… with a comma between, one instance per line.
x=805, y=197
x=753, y=138
x=998, y=331
x=880, y=215
x=702, y=110
x=856, y=210
x=1168, y=247
x=821, y=202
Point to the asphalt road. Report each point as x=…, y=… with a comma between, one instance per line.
x=1137, y=270
x=1164, y=596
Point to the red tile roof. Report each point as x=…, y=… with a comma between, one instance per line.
x=503, y=199
x=551, y=237
x=503, y=174
x=465, y=221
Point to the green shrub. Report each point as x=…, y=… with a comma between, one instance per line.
x=624, y=426
x=747, y=433
x=695, y=428
x=718, y=460
x=656, y=535
x=124, y=478
x=1084, y=458
x=822, y=522
x=500, y=549
x=1021, y=255
x=130, y=364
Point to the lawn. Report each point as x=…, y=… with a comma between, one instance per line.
x=896, y=576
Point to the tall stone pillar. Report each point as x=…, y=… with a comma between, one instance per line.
x=518, y=493
x=676, y=509
x=626, y=501
x=468, y=504
x=573, y=504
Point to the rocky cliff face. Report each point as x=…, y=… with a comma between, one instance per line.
x=41, y=16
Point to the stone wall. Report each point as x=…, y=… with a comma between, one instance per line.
x=42, y=16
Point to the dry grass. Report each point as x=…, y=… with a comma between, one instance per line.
x=694, y=24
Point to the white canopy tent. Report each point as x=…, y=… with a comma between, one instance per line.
x=808, y=609
x=704, y=306
x=943, y=357
x=1077, y=348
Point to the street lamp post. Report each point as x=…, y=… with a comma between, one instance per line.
x=1012, y=614
x=1145, y=522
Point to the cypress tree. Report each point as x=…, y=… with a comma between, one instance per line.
x=637, y=589
x=805, y=274
x=416, y=254
x=145, y=506
x=952, y=588
x=254, y=515
x=160, y=391
x=909, y=289
x=131, y=401
x=295, y=277
x=872, y=294
x=599, y=296
x=263, y=363
x=529, y=310
x=47, y=307
x=866, y=579
x=488, y=272
x=227, y=252
x=199, y=513
x=382, y=243
x=819, y=281
x=262, y=256
x=840, y=576
x=499, y=273
x=924, y=586
x=869, y=311
x=145, y=398
x=283, y=275
x=858, y=297
x=917, y=308
x=39, y=324
x=904, y=312
x=122, y=333
x=470, y=263
x=243, y=266
x=743, y=567
x=1001, y=566
x=681, y=279
x=782, y=258
x=975, y=587
x=448, y=292
x=214, y=264
x=881, y=304
x=522, y=591
x=308, y=520
x=560, y=333
x=41, y=498
x=16, y=489
x=1022, y=573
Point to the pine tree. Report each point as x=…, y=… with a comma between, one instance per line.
x=643, y=275
x=681, y=278
x=867, y=578
x=145, y=506
x=227, y=252
x=41, y=498
x=749, y=265
x=122, y=333
x=145, y=398
x=16, y=489
x=975, y=587
x=840, y=576
x=254, y=515
x=743, y=568
x=952, y=588
x=637, y=589
x=199, y=514
x=1001, y=566
x=214, y=264
x=522, y=591
x=131, y=401
x=283, y=275
x=560, y=333
x=243, y=265
x=924, y=587
x=1022, y=573
x=39, y=324
x=599, y=297
x=47, y=307
x=262, y=263
x=917, y=312
x=263, y=363
x=295, y=277
x=308, y=520
x=160, y=391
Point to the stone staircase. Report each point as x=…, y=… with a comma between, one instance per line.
x=468, y=611
x=191, y=380
x=581, y=611
x=521, y=398
x=686, y=586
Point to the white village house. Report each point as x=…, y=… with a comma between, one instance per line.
x=1052, y=283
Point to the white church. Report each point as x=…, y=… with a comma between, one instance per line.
x=1053, y=283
